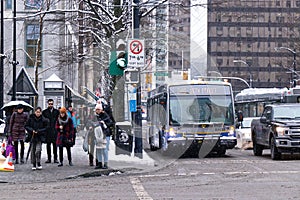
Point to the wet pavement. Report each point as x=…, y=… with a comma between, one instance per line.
x=118, y=164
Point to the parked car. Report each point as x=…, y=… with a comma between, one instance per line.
x=243, y=133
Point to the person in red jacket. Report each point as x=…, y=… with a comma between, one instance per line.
x=65, y=135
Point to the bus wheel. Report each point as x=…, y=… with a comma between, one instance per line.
x=151, y=142
x=275, y=155
x=221, y=151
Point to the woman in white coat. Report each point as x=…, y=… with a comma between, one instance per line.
x=100, y=138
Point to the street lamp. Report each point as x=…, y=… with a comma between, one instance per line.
x=250, y=74
x=294, y=75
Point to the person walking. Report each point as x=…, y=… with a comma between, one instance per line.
x=52, y=114
x=37, y=126
x=72, y=115
x=17, y=131
x=103, y=119
x=90, y=138
x=65, y=136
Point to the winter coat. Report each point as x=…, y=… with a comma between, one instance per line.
x=67, y=133
x=17, y=125
x=39, y=125
x=103, y=116
x=100, y=138
x=51, y=131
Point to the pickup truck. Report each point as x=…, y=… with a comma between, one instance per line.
x=278, y=129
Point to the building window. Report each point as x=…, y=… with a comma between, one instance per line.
x=277, y=3
x=288, y=4
x=9, y=4
x=32, y=36
x=298, y=3
x=33, y=4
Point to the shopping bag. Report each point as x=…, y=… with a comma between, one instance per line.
x=10, y=148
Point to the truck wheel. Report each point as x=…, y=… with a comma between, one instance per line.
x=275, y=155
x=257, y=149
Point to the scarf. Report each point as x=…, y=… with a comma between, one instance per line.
x=62, y=122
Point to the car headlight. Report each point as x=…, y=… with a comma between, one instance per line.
x=281, y=130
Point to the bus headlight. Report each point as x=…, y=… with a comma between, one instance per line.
x=231, y=131
x=281, y=130
x=172, y=132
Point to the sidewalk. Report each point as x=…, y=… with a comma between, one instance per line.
x=50, y=172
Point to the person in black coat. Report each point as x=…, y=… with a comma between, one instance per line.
x=37, y=126
x=52, y=114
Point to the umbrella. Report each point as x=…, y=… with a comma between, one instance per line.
x=10, y=105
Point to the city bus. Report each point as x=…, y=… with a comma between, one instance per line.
x=194, y=117
x=251, y=101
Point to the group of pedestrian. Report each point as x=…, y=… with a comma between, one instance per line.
x=51, y=126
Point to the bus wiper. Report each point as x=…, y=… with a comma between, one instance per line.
x=284, y=118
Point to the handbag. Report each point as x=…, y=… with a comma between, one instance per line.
x=68, y=142
x=27, y=137
x=85, y=144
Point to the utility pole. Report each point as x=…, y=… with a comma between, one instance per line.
x=137, y=116
x=1, y=56
x=14, y=62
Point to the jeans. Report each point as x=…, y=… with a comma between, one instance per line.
x=106, y=149
x=36, y=151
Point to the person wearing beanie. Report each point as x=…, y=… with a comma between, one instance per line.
x=102, y=120
x=65, y=135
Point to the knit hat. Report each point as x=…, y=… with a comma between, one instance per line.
x=63, y=110
x=99, y=106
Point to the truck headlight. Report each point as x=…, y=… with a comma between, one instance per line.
x=281, y=130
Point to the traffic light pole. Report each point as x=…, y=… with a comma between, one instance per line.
x=137, y=116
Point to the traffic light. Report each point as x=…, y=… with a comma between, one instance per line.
x=118, y=60
x=122, y=56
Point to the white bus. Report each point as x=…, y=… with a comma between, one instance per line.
x=183, y=117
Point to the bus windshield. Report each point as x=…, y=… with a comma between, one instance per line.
x=199, y=109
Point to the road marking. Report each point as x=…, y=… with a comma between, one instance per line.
x=139, y=189
x=215, y=173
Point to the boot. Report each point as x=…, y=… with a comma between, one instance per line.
x=60, y=164
x=99, y=166
x=105, y=165
x=91, y=158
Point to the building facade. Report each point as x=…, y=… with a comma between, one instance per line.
x=263, y=34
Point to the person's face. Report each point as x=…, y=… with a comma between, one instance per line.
x=20, y=110
x=98, y=111
x=62, y=114
x=70, y=108
x=50, y=104
x=38, y=113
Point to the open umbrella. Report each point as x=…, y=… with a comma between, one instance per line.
x=12, y=104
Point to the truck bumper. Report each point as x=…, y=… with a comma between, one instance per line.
x=288, y=145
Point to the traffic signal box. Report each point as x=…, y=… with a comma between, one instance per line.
x=118, y=61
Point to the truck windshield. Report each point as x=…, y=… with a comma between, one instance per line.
x=287, y=112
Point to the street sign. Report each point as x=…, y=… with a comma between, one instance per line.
x=136, y=53
x=161, y=74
